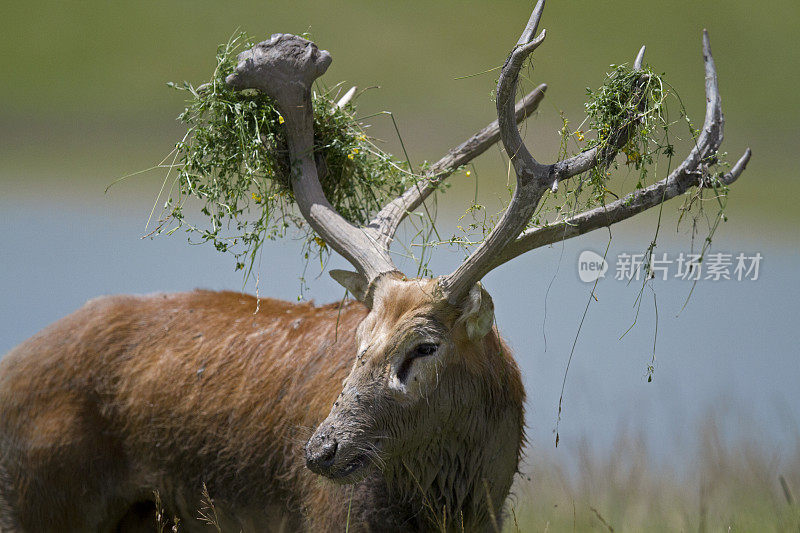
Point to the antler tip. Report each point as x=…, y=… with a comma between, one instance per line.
x=742, y=162
x=232, y=80
x=347, y=98
x=533, y=24
x=637, y=64
x=738, y=168
x=706, y=42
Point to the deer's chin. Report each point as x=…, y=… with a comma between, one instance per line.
x=351, y=471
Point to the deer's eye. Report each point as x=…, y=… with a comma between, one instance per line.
x=425, y=349
x=420, y=350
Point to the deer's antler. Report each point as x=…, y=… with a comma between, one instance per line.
x=389, y=218
x=532, y=177
x=507, y=239
x=688, y=174
x=284, y=68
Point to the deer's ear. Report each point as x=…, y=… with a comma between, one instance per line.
x=477, y=313
x=353, y=282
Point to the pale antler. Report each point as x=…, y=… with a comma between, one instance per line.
x=347, y=98
x=389, y=218
x=284, y=68
x=505, y=242
x=531, y=175
x=688, y=174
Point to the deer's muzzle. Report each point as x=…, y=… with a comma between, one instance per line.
x=335, y=456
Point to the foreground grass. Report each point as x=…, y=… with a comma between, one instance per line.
x=739, y=487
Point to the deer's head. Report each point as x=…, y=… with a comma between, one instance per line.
x=417, y=353
x=424, y=338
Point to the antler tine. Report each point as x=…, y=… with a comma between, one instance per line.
x=637, y=63
x=389, y=218
x=531, y=175
x=713, y=125
x=505, y=241
x=533, y=24
x=688, y=174
x=284, y=68
x=347, y=98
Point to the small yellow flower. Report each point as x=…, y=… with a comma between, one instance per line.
x=355, y=150
x=255, y=197
x=469, y=173
x=350, y=157
x=280, y=119
x=362, y=138
x=320, y=242
x=579, y=135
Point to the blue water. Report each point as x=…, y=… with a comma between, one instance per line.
x=732, y=354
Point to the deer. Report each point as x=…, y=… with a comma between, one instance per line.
x=400, y=410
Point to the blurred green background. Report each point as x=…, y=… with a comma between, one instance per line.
x=83, y=85
x=84, y=101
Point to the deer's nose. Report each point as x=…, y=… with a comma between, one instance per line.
x=321, y=452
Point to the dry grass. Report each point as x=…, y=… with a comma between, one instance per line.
x=725, y=487
x=733, y=485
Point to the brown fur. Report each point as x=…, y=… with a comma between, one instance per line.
x=167, y=392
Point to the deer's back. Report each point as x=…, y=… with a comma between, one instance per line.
x=172, y=391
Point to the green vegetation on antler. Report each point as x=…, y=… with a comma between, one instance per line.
x=627, y=100
x=628, y=122
x=629, y=103
x=634, y=102
x=235, y=162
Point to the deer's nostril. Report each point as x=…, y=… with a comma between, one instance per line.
x=327, y=453
x=321, y=452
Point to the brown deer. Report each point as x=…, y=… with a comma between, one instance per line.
x=400, y=412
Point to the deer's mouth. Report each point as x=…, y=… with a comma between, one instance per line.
x=355, y=466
